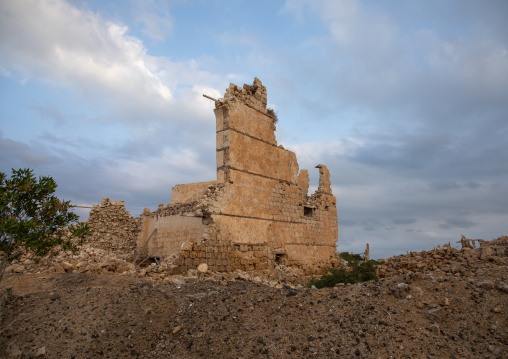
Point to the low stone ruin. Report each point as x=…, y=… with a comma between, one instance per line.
x=497, y=247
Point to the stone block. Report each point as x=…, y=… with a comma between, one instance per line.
x=203, y=268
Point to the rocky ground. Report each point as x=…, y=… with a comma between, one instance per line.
x=447, y=308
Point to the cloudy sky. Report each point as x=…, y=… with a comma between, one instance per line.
x=406, y=102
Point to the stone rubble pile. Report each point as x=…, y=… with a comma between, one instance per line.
x=277, y=277
x=172, y=209
x=252, y=95
x=447, y=259
x=89, y=260
x=113, y=228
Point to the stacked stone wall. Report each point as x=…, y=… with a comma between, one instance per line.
x=216, y=254
x=113, y=229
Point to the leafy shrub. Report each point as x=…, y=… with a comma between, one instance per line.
x=32, y=219
x=357, y=271
x=272, y=114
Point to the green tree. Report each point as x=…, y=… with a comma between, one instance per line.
x=32, y=219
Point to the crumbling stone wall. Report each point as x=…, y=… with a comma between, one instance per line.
x=257, y=214
x=190, y=192
x=113, y=229
x=496, y=247
x=250, y=95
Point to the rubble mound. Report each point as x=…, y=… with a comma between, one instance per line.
x=89, y=260
x=443, y=303
x=447, y=259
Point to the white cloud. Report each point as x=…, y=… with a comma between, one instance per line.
x=154, y=17
x=385, y=65
x=313, y=153
x=149, y=128
x=475, y=62
x=358, y=29
x=52, y=41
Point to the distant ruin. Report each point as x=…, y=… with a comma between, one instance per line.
x=496, y=247
x=255, y=215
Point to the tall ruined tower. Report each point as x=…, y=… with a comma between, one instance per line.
x=257, y=214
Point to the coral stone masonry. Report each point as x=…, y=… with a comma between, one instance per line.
x=113, y=228
x=257, y=213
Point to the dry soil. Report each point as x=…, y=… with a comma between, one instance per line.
x=431, y=314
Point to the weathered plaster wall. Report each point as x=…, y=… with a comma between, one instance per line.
x=173, y=232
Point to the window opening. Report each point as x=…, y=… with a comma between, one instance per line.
x=308, y=211
x=280, y=258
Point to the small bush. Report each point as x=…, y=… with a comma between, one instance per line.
x=270, y=112
x=356, y=272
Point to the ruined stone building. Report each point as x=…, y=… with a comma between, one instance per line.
x=257, y=213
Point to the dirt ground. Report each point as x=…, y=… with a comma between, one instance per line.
x=431, y=314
